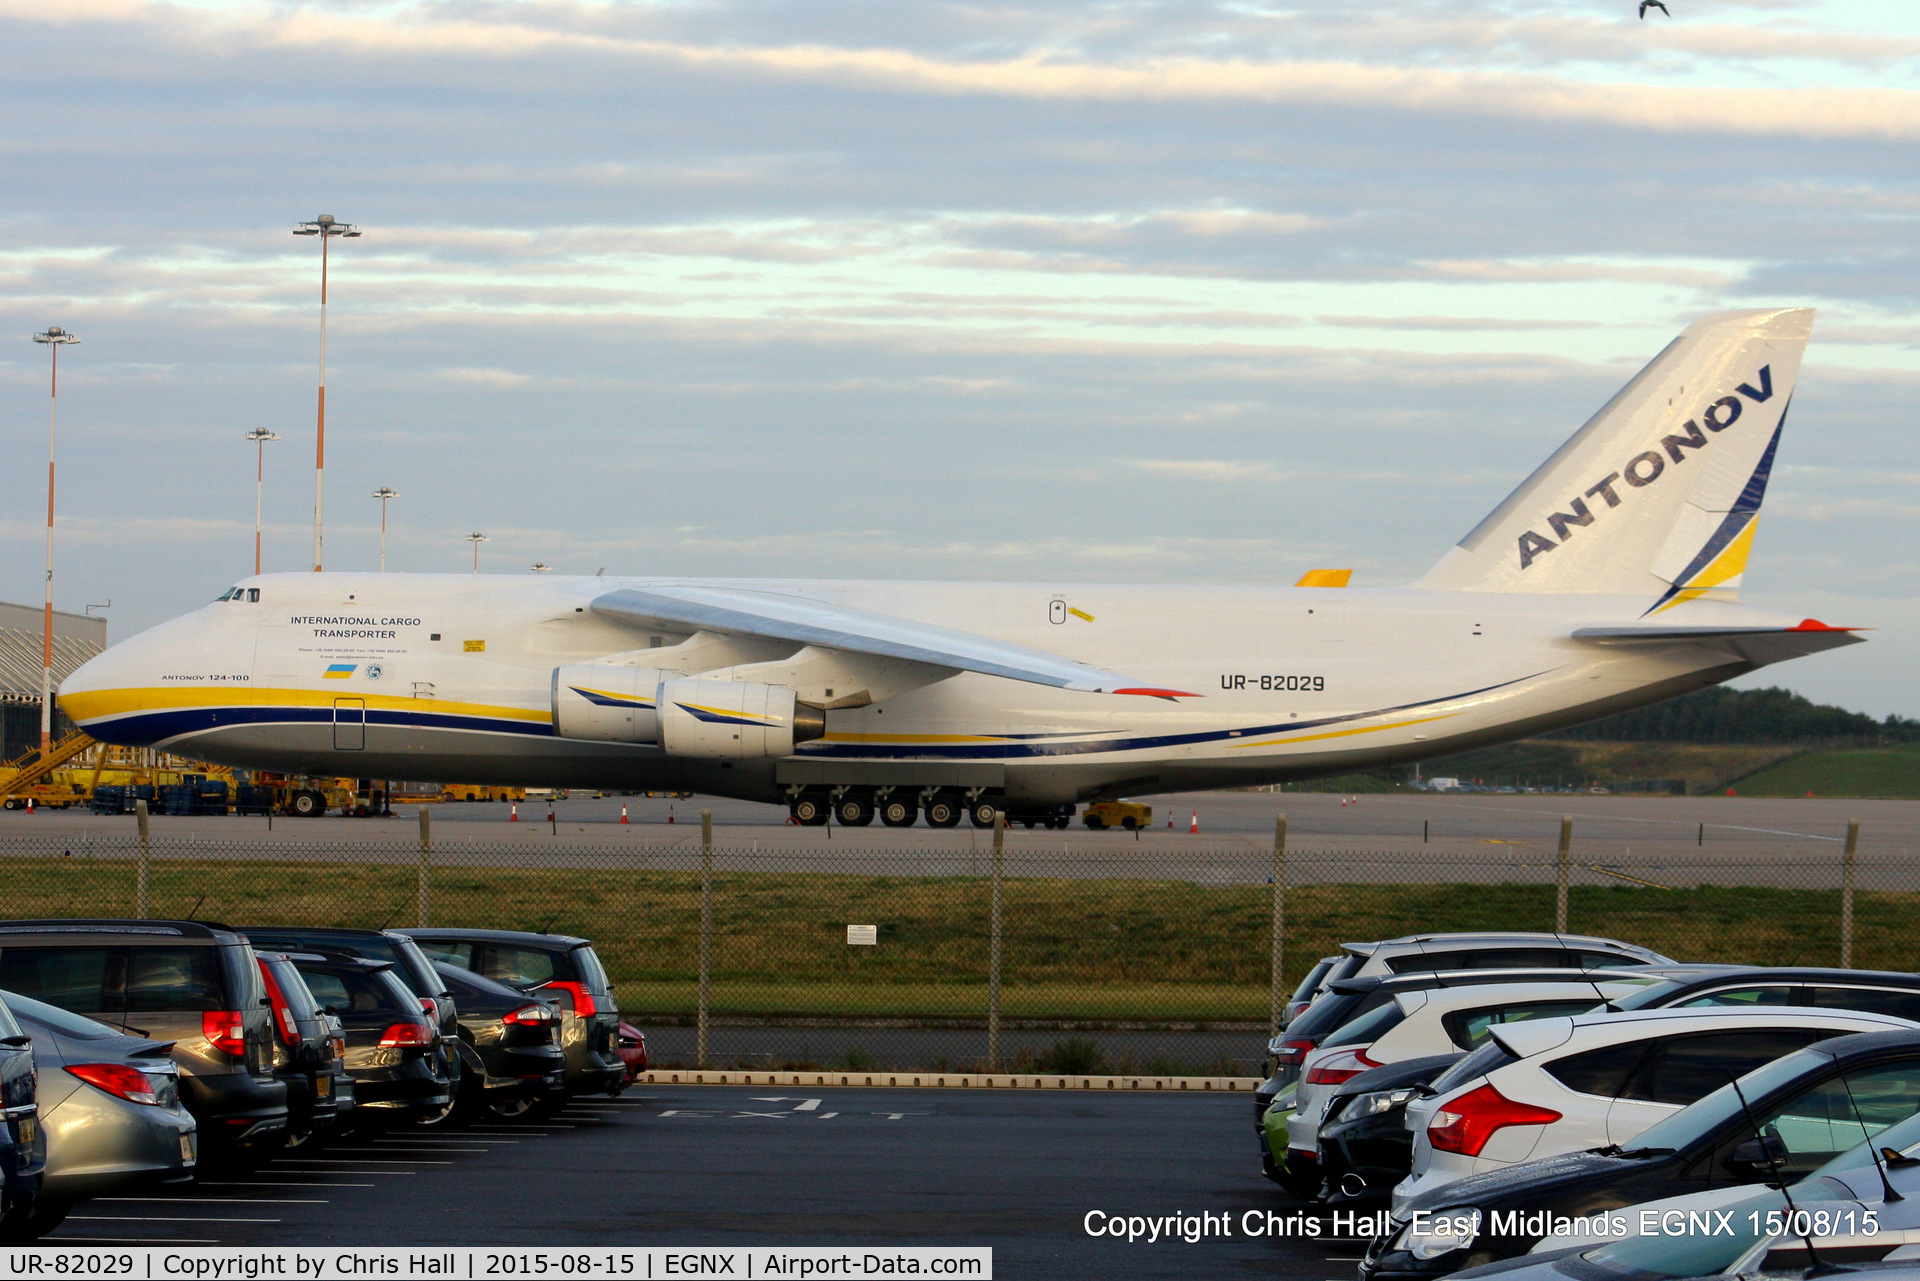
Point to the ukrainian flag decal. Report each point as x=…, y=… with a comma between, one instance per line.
x=339, y=671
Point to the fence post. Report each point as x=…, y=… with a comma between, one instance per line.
x=706, y=928
x=1846, y=894
x=1560, y=893
x=993, y=945
x=144, y=885
x=426, y=861
x=1277, y=999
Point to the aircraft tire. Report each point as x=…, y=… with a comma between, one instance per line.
x=943, y=811
x=982, y=813
x=305, y=804
x=810, y=811
x=898, y=811
x=853, y=810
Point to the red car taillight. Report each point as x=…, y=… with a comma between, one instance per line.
x=227, y=1029
x=1298, y=1008
x=583, y=1003
x=1470, y=1120
x=282, y=1012
x=339, y=1046
x=117, y=1079
x=530, y=1016
x=404, y=1034
x=1291, y=1052
x=1339, y=1067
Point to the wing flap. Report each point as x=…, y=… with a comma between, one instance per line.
x=809, y=622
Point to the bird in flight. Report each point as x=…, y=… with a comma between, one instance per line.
x=1652, y=4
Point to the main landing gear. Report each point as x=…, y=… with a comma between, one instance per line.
x=901, y=807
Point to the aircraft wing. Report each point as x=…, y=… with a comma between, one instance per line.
x=740, y=612
x=1757, y=644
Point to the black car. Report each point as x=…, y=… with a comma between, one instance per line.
x=393, y=1049
x=194, y=983
x=1365, y=1146
x=410, y=965
x=309, y=1050
x=517, y=1040
x=556, y=965
x=1780, y=1121
x=23, y=1148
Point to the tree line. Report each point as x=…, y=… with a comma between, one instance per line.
x=1721, y=715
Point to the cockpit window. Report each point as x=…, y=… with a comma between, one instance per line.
x=253, y=594
x=238, y=594
x=232, y=593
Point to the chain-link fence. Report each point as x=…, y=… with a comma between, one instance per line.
x=1018, y=956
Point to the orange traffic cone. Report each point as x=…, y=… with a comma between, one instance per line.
x=669, y=813
x=1193, y=827
x=1731, y=792
x=513, y=813
x=30, y=806
x=623, y=813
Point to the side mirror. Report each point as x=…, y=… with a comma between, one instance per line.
x=1757, y=1154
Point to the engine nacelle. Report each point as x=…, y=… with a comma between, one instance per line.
x=733, y=720
x=610, y=704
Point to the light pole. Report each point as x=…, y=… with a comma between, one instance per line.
x=259, y=436
x=476, y=539
x=383, y=494
x=55, y=338
x=326, y=228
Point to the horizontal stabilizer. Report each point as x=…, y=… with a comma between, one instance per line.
x=1758, y=645
x=740, y=612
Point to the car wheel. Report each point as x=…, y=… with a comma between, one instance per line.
x=518, y=1108
x=1129, y=823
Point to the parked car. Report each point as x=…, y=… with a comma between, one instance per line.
x=1490, y=950
x=558, y=965
x=410, y=965
x=1416, y=1024
x=631, y=1046
x=1789, y=1116
x=1687, y=987
x=1365, y=1147
x=23, y=1145
x=309, y=1053
x=194, y=983
x=109, y=1107
x=393, y=1047
x=1564, y=1085
x=516, y=1038
x=1310, y=986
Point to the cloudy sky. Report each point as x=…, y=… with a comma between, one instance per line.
x=1131, y=291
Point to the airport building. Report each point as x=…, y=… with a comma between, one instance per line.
x=76, y=638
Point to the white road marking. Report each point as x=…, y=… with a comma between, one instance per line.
x=806, y=1105
x=156, y=1218
x=215, y=1200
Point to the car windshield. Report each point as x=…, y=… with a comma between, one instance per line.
x=1330, y=1012
x=1490, y=1057
x=1704, y=1116
x=590, y=968
x=1903, y=1138
x=1314, y=975
x=1692, y=1254
x=62, y=1021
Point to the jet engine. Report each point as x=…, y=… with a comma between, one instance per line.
x=731, y=720
x=685, y=715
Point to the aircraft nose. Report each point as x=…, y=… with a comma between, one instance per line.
x=110, y=695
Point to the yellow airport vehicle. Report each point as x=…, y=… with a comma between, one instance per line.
x=1127, y=814
x=481, y=792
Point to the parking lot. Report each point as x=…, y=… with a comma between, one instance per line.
x=727, y=1166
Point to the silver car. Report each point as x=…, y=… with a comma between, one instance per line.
x=110, y=1108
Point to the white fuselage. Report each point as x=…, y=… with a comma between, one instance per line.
x=451, y=677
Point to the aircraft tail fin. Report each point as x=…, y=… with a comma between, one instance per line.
x=1658, y=493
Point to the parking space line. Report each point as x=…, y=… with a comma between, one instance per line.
x=322, y=1161
x=413, y=1150
x=199, y=1184
x=156, y=1218
x=214, y=1200
x=134, y=1240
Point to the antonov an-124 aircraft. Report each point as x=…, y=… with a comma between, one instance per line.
x=1608, y=580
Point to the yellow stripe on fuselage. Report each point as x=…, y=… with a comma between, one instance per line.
x=99, y=704
x=1342, y=733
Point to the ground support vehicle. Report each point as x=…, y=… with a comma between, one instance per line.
x=556, y=965
x=1787, y=1118
x=194, y=983
x=109, y=1106
x=1128, y=814
x=481, y=792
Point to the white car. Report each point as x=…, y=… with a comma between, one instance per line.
x=1489, y=950
x=1432, y=1021
x=1548, y=1086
